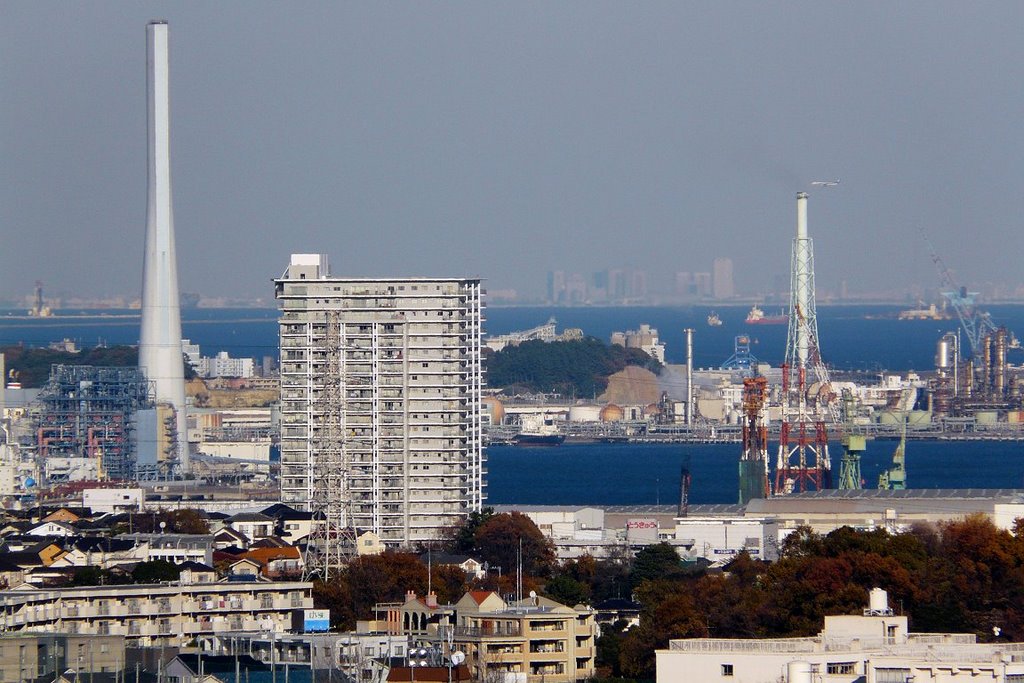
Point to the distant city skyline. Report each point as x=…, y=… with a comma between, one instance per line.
x=583, y=288
x=503, y=141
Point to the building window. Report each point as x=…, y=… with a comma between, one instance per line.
x=727, y=669
x=892, y=675
x=843, y=668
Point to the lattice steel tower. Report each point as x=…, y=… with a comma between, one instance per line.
x=332, y=542
x=803, y=460
x=754, y=461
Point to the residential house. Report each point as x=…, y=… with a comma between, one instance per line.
x=278, y=563
x=253, y=525
x=473, y=569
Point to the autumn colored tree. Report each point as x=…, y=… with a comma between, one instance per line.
x=669, y=611
x=384, y=578
x=449, y=583
x=184, y=521
x=336, y=596
x=500, y=539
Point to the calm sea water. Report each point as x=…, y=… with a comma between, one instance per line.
x=638, y=474
x=851, y=338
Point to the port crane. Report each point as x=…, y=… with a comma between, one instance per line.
x=976, y=324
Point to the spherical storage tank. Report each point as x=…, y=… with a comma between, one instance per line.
x=495, y=408
x=611, y=413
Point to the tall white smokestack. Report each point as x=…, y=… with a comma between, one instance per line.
x=160, y=354
x=689, y=375
x=802, y=276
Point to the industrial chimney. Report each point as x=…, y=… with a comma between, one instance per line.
x=160, y=354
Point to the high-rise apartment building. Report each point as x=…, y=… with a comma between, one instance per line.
x=381, y=399
x=721, y=282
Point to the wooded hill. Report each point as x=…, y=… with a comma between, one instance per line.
x=571, y=368
x=31, y=366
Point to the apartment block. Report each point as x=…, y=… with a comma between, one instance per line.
x=534, y=640
x=392, y=369
x=32, y=656
x=156, y=614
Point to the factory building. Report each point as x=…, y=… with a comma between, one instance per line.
x=381, y=399
x=89, y=413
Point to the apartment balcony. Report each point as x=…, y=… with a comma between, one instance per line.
x=504, y=657
x=500, y=630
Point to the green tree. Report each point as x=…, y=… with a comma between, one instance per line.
x=655, y=562
x=461, y=539
x=567, y=590
x=155, y=571
x=579, y=368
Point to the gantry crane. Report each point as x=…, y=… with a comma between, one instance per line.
x=976, y=324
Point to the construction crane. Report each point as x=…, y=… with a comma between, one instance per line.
x=853, y=446
x=976, y=324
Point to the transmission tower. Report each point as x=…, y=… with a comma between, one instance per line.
x=754, y=461
x=332, y=542
x=803, y=460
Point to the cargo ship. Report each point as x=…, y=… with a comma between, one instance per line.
x=539, y=432
x=930, y=313
x=757, y=317
x=714, y=320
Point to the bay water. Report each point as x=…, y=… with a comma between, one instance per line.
x=863, y=338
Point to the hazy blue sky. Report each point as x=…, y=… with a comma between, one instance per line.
x=507, y=139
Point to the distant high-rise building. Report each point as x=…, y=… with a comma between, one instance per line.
x=556, y=286
x=576, y=290
x=721, y=283
x=702, y=283
x=616, y=285
x=381, y=413
x=160, y=357
x=638, y=284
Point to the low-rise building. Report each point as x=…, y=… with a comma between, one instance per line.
x=31, y=656
x=156, y=614
x=175, y=548
x=532, y=640
x=874, y=647
x=537, y=638
x=361, y=656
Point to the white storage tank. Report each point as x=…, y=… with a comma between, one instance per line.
x=878, y=601
x=584, y=413
x=798, y=672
